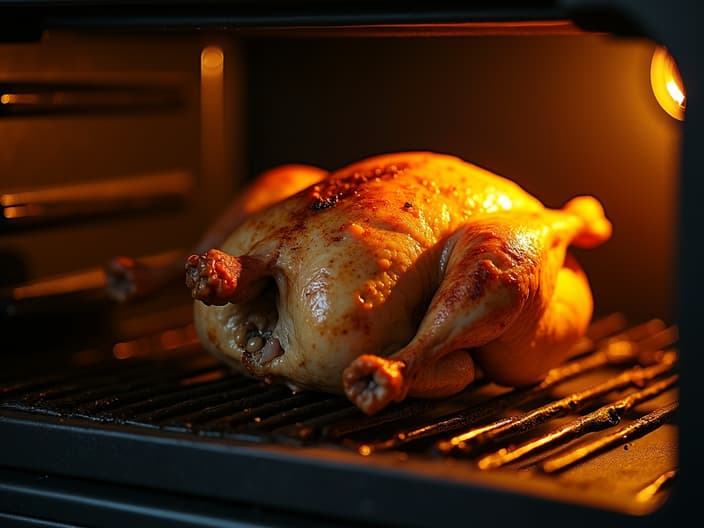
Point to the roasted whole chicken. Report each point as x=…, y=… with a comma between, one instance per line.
x=402, y=274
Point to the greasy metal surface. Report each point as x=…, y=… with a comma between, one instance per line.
x=621, y=387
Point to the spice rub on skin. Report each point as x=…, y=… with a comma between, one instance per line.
x=393, y=276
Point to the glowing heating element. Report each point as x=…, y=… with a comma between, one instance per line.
x=667, y=83
x=212, y=101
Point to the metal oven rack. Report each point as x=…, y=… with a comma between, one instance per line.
x=160, y=413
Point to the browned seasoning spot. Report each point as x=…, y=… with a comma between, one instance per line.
x=448, y=299
x=484, y=274
x=324, y=203
x=357, y=322
x=290, y=231
x=408, y=205
x=329, y=192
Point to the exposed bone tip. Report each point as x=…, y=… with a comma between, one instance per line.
x=213, y=276
x=372, y=382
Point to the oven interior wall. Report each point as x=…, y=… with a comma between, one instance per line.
x=48, y=144
x=49, y=149
x=561, y=115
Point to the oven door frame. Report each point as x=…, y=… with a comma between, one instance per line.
x=672, y=24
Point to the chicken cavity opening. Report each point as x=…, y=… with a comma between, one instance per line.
x=255, y=333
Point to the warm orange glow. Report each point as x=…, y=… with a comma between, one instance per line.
x=667, y=83
x=123, y=350
x=163, y=344
x=203, y=378
x=365, y=450
x=211, y=60
x=64, y=284
x=212, y=113
x=9, y=98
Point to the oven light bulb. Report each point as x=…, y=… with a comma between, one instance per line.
x=667, y=83
x=675, y=92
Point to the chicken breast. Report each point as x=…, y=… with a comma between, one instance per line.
x=398, y=275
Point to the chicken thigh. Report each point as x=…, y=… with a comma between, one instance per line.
x=402, y=274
